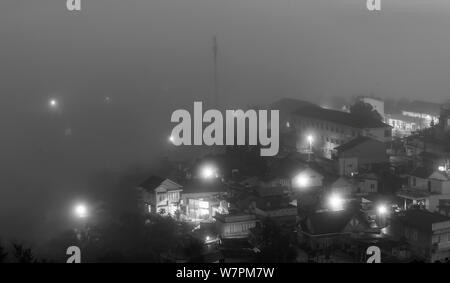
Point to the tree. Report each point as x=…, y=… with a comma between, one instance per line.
x=22, y=254
x=3, y=254
x=365, y=111
x=274, y=242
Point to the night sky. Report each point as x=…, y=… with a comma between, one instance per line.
x=118, y=69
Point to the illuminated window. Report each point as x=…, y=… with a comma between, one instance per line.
x=173, y=196
x=203, y=204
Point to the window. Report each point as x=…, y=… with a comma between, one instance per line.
x=173, y=196
x=161, y=197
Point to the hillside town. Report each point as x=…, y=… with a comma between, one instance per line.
x=345, y=179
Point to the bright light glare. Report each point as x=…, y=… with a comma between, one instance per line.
x=81, y=210
x=208, y=172
x=171, y=139
x=336, y=202
x=301, y=181
x=208, y=238
x=382, y=209
x=441, y=168
x=310, y=139
x=53, y=103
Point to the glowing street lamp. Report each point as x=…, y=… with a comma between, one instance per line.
x=301, y=181
x=171, y=139
x=382, y=209
x=310, y=142
x=80, y=210
x=53, y=103
x=335, y=202
x=208, y=172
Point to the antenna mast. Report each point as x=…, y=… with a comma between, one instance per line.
x=216, y=78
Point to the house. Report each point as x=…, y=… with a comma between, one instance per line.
x=281, y=212
x=427, y=233
x=426, y=187
x=359, y=185
x=322, y=230
x=424, y=112
x=362, y=154
x=234, y=225
x=294, y=175
x=377, y=208
x=331, y=128
x=159, y=195
x=202, y=199
x=419, y=143
x=402, y=125
x=287, y=106
x=275, y=204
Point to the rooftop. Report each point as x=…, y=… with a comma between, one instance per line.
x=330, y=222
x=196, y=186
x=340, y=117
x=290, y=105
x=414, y=194
x=422, y=219
x=422, y=172
x=152, y=182
x=423, y=107
x=353, y=143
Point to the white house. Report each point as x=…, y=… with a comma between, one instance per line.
x=426, y=188
x=160, y=195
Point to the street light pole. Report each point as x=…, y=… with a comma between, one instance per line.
x=310, y=141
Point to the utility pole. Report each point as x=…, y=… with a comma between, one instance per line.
x=216, y=75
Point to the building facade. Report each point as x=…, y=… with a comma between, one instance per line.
x=329, y=129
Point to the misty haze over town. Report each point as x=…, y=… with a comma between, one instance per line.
x=86, y=99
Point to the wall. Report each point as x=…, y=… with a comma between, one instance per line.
x=235, y=229
x=347, y=166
